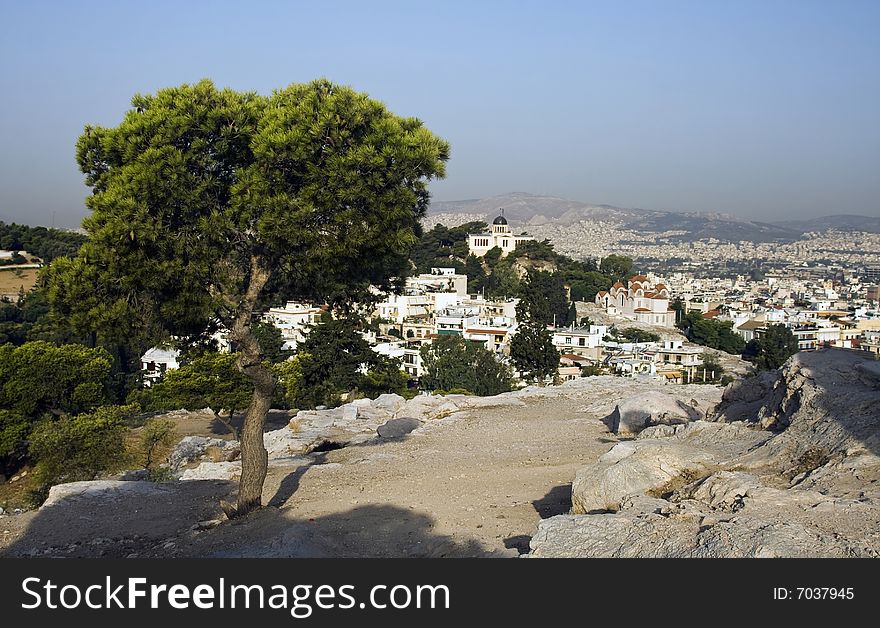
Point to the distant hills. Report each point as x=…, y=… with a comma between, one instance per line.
x=524, y=209
x=840, y=222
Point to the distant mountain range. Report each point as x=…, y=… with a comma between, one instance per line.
x=524, y=209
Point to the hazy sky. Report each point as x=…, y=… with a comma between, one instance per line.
x=762, y=109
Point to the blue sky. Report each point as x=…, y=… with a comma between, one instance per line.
x=767, y=110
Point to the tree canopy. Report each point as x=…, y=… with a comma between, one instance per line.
x=772, y=349
x=41, y=381
x=45, y=243
x=207, y=203
x=451, y=362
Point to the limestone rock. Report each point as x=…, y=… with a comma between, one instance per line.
x=633, y=414
x=99, y=489
x=397, y=428
x=635, y=468
x=389, y=402
x=214, y=471
x=191, y=448
x=807, y=485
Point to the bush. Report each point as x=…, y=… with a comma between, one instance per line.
x=634, y=334
x=451, y=362
x=79, y=447
x=157, y=436
x=591, y=370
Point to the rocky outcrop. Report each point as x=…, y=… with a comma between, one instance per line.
x=788, y=468
x=397, y=428
x=633, y=414
x=192, y=448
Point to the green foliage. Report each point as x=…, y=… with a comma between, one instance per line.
x=13, y=432
x=772, y=349
x=314, y=192
x=616, y=267
x=335, y=359
x=711, y=333
x=290, y=380
x=452, y=362
x=446, y=247
x=39, y=380
x=270, y=340
x=157, y=435
x=476, y=275
x=18, y=319
x=542, y=299
x=533, y=353
x=385, y=377
x=677, y=306
x=47, y=244
x=711, y=372
x=210, y=380
x=79, y=447
x=634, y=334
x=591, y=370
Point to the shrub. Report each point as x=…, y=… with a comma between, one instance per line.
x=157, y=436
x=79, y=447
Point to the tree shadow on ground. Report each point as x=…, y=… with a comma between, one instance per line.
x=369, y=531
x=557, y=501
x=182, y=519
x=121, y=522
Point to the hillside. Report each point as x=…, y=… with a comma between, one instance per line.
x=787, y=467
x=530, y=209
x=841, y=222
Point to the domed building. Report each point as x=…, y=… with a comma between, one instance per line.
x=499, y=235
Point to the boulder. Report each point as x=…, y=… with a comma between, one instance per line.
x=99, y=489
x=397, y=428
x=635, y=468
x=804, y=486
x=389, y=402
x=191, y=448
x=213, y=471
x=633, y=414
x=423, y=407
x=284, y=442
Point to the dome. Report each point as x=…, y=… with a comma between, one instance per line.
x=500, y=220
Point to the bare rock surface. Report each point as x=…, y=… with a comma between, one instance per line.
x=633, y=414
x=790, y=468
x=494, y=476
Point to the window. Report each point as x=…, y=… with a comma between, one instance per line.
x=582, y=341
x=568, y=340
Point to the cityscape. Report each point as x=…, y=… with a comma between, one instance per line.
x=495, y=280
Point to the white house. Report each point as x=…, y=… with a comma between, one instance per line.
x=156, y=361
x=499, y=235
x=579, y=337
x=293, y=320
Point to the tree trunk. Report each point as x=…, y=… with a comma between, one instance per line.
x=254, y=459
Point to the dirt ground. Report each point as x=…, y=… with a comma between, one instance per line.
x=472, y=486
x=11, y=281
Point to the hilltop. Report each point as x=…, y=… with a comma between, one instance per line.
x=779, y=465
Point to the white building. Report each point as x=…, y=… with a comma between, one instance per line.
x=568, y=340
x=156, y=361
x=499, y=236
x=641, y=300
x=293, y=320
